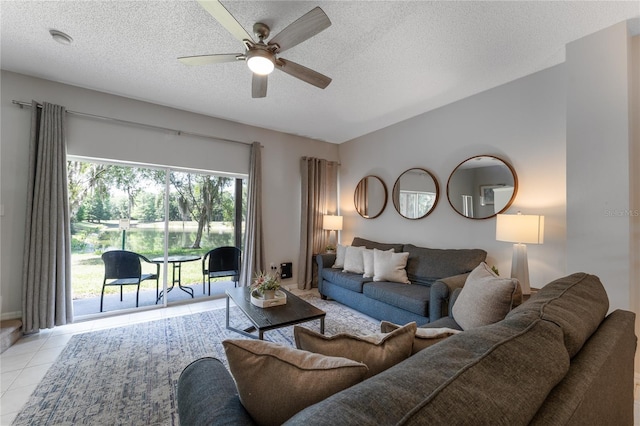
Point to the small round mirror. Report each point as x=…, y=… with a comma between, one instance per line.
x=482, y=187
x=370, y=197
x=415, y=193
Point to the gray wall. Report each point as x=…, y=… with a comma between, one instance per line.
x=281, y=155
x=568, y=131
x=522, y=122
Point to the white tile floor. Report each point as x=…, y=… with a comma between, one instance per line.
x=24, y=364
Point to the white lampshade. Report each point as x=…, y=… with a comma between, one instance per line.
x=332, y=223
x=520, y=228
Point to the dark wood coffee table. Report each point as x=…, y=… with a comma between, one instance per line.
x=295, y=311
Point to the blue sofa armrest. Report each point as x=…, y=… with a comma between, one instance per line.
x=207, y=395
x=441, y=291
x=325, y=260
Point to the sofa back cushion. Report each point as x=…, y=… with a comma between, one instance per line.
x=426, y=265
x=498, y=374
x=361, y=242
x=576, y=303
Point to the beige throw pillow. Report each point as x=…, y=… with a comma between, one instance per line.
x=424, y=338
x=390, y=266
x=378, y=351
x=340, y=253
x=485, y=298
x=275, y=382
x=353, y=260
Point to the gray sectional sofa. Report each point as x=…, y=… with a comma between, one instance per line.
x=434, y=274
x=557, y=359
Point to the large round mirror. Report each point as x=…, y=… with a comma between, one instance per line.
x=482, y=187
x=415, y=193
x=370, y=197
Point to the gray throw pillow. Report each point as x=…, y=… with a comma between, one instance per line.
x=485, y=298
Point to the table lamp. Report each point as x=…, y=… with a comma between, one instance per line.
x=520, y=229
x=332, y=223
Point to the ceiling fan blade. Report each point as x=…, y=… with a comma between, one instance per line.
x=226, y=19
x=211, y=59
x=259, y=86
x=302, y=29
x=303, y=73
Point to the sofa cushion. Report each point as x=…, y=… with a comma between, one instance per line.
x=390, y=266
x=426, y=265
x=257, y=365
x=424, y=337
x=576, y=303
x=377, y=351
x=346, y=280
x=412, y=298
x=353, y=260
x=361, y=242
x=523, y=359
x=485, y=298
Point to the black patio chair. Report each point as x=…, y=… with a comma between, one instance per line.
x=122, y=268
x=221, y=262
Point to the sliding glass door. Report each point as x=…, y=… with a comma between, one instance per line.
x=170, y=217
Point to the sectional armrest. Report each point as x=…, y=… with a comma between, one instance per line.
x=207, y=395
x=441, y=292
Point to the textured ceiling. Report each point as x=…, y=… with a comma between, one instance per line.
x=389, y=61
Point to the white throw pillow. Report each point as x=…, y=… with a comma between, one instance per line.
x=367, y=257
x=353, y=260
x=340, y=253
x=485, y=298
x=390, y=266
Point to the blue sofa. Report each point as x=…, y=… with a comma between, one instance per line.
x=434, y=274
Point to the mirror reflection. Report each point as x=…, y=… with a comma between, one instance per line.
x=482, y=187
x=370, y=197
x=415, y=193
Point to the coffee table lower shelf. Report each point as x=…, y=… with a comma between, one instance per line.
x=295, y=311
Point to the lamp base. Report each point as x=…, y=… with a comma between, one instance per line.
x=520, y=267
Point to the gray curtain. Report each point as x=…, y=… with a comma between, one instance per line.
x=319, y=197
x=46, y=276
x=253, y=256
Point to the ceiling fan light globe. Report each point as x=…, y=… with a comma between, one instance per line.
x=260, y=65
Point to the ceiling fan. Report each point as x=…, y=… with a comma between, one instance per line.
x=262, y=56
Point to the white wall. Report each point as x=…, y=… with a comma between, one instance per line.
x=522, y=122
x=281, y=156
x=598, y=148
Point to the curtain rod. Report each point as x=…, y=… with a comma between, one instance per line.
x=133, y=123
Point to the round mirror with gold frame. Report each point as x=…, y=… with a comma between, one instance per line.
x=415, y=193
x=482, y=187
x=370, y=197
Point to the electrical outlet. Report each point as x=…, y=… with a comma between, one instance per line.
x=273, y=267
x=286, y=270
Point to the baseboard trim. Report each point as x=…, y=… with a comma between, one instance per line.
x=11, y=315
